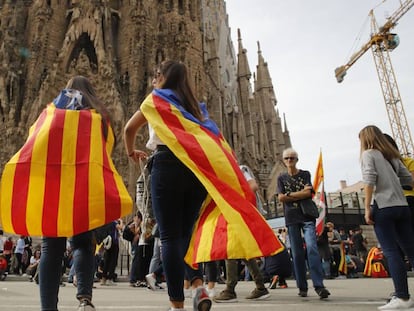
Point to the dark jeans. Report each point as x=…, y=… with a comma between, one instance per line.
x=110, y=262
x=50, y=268
x=177, y=196
x=394, y=230
x=211, y=270
x=144, y=260
x=410, y=201
x=19, y=267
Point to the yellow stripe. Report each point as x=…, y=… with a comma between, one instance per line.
x=96, y=183
x=206, y=241
x=68, y=174
x=6, y=197
x=126, y=201
x=36, y=189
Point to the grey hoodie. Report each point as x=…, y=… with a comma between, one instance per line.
x=386, y=177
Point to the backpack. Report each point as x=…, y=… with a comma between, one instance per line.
x=127, y=234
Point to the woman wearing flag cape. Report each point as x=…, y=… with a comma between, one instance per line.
x=196, y=186
x=62, y=183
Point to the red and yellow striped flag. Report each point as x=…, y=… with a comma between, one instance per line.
x=318, y=187
x=229, y=225
x=63, y=182
x=343, y=267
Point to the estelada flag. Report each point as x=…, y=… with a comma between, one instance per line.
x=229, y=224
x=63, y=182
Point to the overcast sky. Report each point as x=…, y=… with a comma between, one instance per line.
x=303, y=42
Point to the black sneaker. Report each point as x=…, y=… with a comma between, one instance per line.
x=303, y=293
x=322, y=292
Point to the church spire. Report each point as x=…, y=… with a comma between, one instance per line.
x=243, y=69
x=263, y=75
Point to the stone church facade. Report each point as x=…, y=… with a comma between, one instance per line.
x=117, y=44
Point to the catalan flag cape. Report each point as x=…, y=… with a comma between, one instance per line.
x=229, y=225
x=374, y=264
x=62, y=182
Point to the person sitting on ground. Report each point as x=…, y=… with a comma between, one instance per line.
x=32, y=270
x=276, y=269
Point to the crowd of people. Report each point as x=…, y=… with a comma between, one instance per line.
x=159, y=244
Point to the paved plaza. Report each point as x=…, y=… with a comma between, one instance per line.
x=347, y=294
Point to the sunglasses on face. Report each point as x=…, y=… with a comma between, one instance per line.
x=289, y=158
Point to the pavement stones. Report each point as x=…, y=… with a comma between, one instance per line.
x=17, y=294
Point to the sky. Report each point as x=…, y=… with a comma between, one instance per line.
x=303, y=42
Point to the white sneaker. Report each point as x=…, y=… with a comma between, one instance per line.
x=397, y=304
x=201, y=300
x=188, y=293
x=211, y=292
x=151, y=281
x=110, y=283
x=86, y=305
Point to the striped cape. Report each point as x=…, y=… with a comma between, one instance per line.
x=374, y=266
x=229, y=225
x=62, y=182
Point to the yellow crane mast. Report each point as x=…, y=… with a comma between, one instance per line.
x=381, y=43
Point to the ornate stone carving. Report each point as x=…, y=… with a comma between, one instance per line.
x=117, y=44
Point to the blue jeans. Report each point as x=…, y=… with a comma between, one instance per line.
x=156, y=256
x=177, y=196
x=50, y=268
x=298, y=254
x=133, y=274
x=393, y=228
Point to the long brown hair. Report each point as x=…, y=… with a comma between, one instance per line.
x=176, y=78
x=90, y=99
x=371, y=137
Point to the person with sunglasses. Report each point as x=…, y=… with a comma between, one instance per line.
x=293, y=186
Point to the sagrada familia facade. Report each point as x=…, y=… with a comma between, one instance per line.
x=117, y=44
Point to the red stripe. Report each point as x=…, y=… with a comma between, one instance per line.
x=81, y=195
x=53, y=173
x=198, y=232
x=112, y=198
x=220, y=238
x=21, y=181
x=253, y=220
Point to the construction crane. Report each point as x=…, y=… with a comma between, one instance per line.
x=382, y=42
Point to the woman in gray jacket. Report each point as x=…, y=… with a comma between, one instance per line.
x=386, y=208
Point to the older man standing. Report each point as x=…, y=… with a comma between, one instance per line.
x=294, y=186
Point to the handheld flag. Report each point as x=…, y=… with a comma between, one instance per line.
x=318, y=186
x=229, y=225
x=63, y=182
x=342, y=267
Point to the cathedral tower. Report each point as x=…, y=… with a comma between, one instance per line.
x=117, y=44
